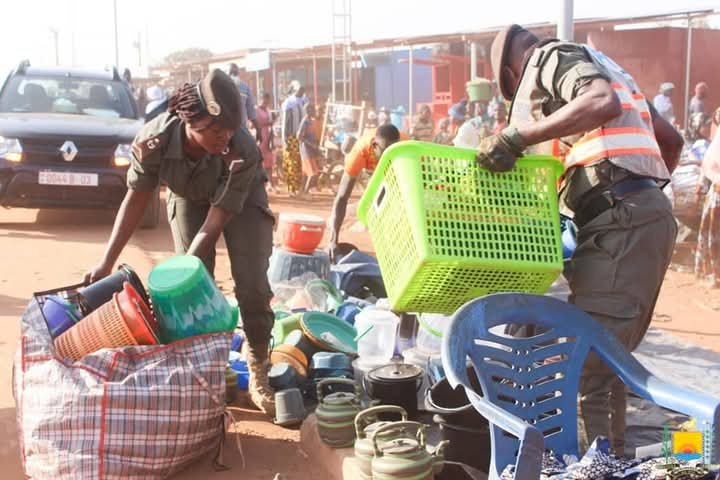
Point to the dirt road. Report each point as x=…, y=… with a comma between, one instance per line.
x=47, y=249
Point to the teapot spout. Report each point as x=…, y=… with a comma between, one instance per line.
x=438, y=455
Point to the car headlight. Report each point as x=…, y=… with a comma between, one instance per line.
x=10, y=149
x=122, y=155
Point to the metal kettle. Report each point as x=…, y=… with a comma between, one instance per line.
x=336, y=413
x=405, y=458
x=368, y=422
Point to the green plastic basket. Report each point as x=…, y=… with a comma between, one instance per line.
x=447, y=231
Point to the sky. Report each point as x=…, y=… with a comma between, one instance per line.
x=85, y=28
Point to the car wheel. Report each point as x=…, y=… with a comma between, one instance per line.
x=151, y=218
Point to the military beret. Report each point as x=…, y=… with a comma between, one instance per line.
x=221, y=98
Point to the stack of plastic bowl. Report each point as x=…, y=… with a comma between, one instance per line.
x=123, y=321
x=186, y=300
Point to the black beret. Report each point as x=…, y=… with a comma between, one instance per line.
x=221, y=98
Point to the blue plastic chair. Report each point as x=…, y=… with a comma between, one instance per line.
x=531, y=403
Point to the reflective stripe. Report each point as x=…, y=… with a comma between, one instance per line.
x=630, y=101
x=599, y=132
x=612, y=142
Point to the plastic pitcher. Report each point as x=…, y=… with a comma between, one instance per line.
x=431, y=331
x=376, y=335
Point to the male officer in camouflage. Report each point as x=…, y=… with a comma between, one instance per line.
x=575, y=103
x=211, y=166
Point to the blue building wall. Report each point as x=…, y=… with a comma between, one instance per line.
x=391, y=78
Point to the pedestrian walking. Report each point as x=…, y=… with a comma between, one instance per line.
x=265, y=121
x=292, y=114
x=310, y=153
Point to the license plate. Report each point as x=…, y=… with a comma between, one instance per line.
x=72, y=179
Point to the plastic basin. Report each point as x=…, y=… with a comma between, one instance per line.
x=186, y=300
x=300, y=233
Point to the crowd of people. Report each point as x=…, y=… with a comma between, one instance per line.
x=466, y=124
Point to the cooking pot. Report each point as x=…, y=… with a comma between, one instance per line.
x=395, y=384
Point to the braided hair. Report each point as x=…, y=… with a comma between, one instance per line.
x=187, y=105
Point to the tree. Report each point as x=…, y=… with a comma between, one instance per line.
x=188, y=55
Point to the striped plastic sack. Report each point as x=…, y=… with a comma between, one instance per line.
x=134, y=412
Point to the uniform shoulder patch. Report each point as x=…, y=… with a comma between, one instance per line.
x=154, y=136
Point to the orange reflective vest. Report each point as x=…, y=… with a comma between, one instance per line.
x=627, y=141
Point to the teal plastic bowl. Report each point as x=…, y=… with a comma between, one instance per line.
x=186, y=300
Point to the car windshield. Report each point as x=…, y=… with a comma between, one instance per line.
x=69, y=95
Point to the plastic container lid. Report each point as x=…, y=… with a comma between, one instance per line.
x=376, y=315
x=176, y=275
x=394, y=372
x=302, y=218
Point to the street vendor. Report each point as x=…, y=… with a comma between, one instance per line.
x=365, y=155
x=575, y=103
x=211, y=165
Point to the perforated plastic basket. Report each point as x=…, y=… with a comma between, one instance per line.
x=446, y=230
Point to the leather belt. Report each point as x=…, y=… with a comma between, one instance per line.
x=599, y=202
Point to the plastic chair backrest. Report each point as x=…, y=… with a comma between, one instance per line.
x=530, y=384
x=535, y=378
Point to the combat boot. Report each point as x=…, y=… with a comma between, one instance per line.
x=261, y=395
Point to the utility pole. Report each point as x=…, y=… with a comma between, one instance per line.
x=138, y=45
x=473, y=60
x=72, y=33
x=565, y=22
x=117, y=50
x=56, y=34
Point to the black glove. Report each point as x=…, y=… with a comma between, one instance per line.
x=498, y=153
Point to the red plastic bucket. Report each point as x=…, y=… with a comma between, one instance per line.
x=300, y=233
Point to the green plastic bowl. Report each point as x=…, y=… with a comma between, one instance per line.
x=283, y=326
x=186, y=300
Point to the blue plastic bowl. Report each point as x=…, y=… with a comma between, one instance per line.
x=240, y=367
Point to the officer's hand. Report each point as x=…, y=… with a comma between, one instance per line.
x=498, y=153
x=98, y=272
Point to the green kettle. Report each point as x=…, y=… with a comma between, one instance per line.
x=336, y=413
x=405, y=458
x=366, y=423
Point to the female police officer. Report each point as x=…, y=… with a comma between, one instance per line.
x=212, y=168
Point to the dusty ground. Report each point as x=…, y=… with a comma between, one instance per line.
x=47, y=249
